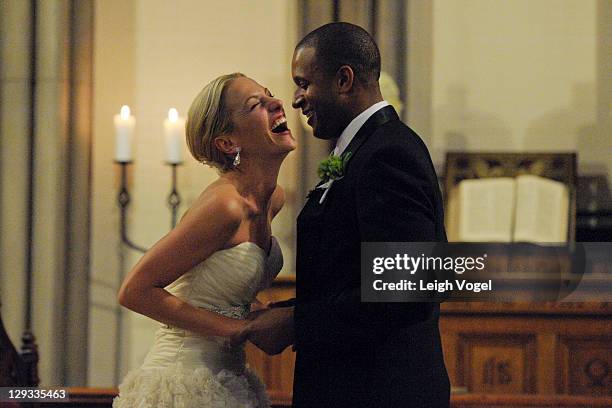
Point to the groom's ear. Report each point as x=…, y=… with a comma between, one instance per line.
x=345, y=78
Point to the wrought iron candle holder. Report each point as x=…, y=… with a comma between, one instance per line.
x=123, y=199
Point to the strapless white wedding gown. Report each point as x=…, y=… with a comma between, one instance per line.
x=183, y=369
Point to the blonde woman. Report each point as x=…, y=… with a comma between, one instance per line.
x=199, y=280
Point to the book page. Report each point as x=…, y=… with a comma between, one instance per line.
x=486, y=208
x=542, y=210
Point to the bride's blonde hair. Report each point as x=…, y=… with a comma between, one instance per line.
x=208, y=118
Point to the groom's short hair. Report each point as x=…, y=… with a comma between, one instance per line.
x=338, y=44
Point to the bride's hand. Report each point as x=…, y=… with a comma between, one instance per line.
x=240, y=334
x=271, y=330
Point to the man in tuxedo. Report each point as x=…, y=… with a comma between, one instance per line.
x=351, y=353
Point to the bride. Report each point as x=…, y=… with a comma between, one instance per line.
x=200, y=279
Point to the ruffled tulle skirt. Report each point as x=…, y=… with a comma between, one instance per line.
x=178, y=387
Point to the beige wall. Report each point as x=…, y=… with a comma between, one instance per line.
x=517, y=75
x=113, y=86
x=153, y=55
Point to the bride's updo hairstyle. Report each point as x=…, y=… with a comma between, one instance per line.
x=208, y=118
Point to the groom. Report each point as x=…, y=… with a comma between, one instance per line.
x=349, y=353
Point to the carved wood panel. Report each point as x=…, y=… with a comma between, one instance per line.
x=497, y=363
x=499, y=349
x=584, y=365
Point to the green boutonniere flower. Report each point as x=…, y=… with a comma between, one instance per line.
x=329, y=170
x=333, y=167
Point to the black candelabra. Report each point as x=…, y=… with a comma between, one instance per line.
x=173, y=200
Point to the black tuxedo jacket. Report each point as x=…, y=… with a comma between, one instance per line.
x=353, y=354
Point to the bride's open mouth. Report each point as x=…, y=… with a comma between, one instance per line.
x=279, y=126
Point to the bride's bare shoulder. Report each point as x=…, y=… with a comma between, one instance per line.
x=219, y=200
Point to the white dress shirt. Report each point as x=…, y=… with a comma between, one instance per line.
x=351, y=130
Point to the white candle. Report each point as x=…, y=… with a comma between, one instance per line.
x=124, y=132
x=174, y=128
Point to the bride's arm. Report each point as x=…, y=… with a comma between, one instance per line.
x=206, y=228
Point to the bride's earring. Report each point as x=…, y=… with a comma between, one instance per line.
x=237, y=157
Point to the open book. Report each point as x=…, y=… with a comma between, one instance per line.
x=522, y=209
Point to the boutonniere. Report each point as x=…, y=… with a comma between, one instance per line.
x=330, y=170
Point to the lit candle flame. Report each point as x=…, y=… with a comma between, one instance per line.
x=125, y=112
x=173, y=115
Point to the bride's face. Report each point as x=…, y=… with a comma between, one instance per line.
x=258, y=118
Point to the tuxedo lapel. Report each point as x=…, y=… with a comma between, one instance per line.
x=312, y=208
x=379, y=118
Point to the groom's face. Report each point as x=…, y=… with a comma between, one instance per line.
x=315, y=95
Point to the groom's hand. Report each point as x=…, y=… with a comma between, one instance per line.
x=271, y=330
